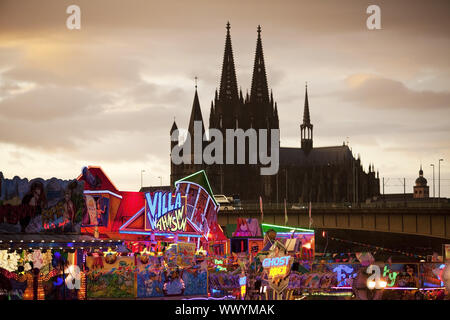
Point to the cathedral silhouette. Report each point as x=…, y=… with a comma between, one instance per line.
x=307, y=173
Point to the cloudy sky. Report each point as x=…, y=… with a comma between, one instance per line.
x=107, y=94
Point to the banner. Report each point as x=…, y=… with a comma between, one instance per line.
x=261, y=209
x=285, y=213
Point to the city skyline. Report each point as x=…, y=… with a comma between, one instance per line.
x=75, y=98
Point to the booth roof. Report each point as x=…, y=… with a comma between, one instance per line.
x=220, y=235
x=201, y=179
x=278, y=228
x=52, y=240
x=130, y=204
x=107, y=184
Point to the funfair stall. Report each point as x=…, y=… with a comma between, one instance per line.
x=42, y=251
x=171, y=237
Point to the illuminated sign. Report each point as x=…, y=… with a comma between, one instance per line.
x=344, y=274
x=243, y=284
x=276, y=262
x=189, y=211
x=277, y=266
x=219, y=264
x=54, y=225
x=277, y=271
x=165, y=212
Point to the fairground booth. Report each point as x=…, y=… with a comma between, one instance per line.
x=170, y=235
x=42, y=249
x=86, y=239
x=298, y=241
x=245, y=236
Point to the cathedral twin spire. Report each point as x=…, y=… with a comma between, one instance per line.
x=228, y=83
x=229, y=99
x=259, y=91
x=230, y=109
x=229, y=106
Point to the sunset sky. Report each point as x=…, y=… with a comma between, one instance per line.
x=107, y=94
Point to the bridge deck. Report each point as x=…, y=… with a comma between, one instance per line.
x=432, y=222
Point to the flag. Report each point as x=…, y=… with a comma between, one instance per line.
x=285, y=213
x=390, y=261
x=310, y=218
x=261, y=208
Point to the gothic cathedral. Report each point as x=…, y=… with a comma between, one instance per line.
x=323, y=174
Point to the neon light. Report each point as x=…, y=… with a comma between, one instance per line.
x=207, y=181
x=109, y=252
x=145, y=251
x=277, y=271
x=389, y=288
x=167, y=212
x=344, y=272
x=307, y=245
x=131, y=219
x=288, y=228
x=289, y=234
x=164, y=213
x=243, y=290
x=295, y=233
x=276, y=262
x=102, y=191
x=148, y=233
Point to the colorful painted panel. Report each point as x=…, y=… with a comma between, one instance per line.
x=110, y=280
x=40, y=205
x=97, y=211
x=171, y=283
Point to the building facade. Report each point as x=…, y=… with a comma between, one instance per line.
x=307, y=173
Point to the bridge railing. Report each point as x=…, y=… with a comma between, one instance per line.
x=327, y=205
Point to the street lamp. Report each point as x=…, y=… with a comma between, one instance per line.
x=142, y=171
x=434, y=194
x=439, y=173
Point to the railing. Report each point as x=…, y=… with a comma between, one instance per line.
x=327, y=205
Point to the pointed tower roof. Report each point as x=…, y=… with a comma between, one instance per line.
x=306, y=116
x=259, y=91
x=196, y=115
x=228, y=83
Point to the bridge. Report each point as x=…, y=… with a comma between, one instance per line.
x=430, y=220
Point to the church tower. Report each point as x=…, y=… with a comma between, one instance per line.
x=421, y=190
x=306, y=128
x=196, y=115
x=196, y=147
